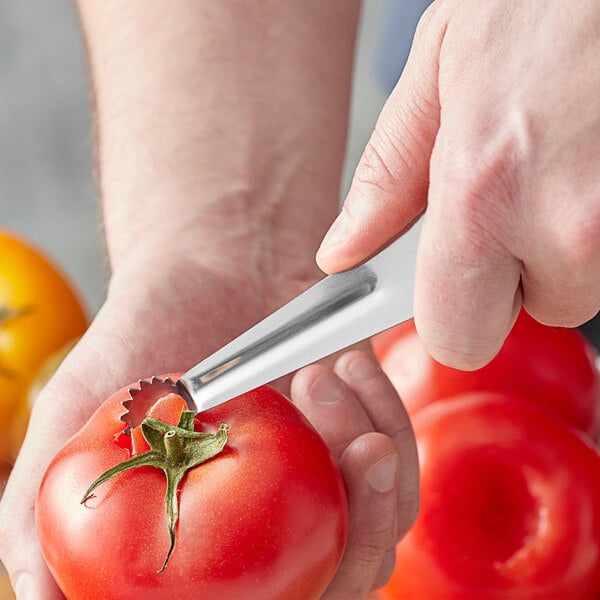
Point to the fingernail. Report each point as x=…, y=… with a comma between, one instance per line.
x=327, y=389
x=25, y=587
x=382, y=475
x=363, y=367
x=338, y=231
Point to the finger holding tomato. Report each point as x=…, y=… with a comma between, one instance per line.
x=357, y=411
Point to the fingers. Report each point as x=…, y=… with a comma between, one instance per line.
x=506, y=167
x=18, y=539
x=378, y=398
x=498, y=234
x=331, y=406
x=370, y=466
x=561, y=275
x=467, y=285
x=359, y=415
x=389, y=189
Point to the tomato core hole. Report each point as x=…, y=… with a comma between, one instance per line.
x=488, y=510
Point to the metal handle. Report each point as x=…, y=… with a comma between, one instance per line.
x=340, y=310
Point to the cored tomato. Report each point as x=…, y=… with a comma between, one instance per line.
x=510, y=505
x=552, y=365
x=264, y=517
x=39, y=313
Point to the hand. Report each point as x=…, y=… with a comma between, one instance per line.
x=144, y=328
x=358, y=413
x=494, y=126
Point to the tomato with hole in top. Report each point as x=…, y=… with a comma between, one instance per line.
x=242, y=501
x=554, y=366
x=510, y=505
x=39, y=313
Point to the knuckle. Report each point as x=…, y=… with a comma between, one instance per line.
x=486, y=166
x=479, y=175
x=367, y=552
x=376, y=534
x=579, y=243
x=483, y=192
x=387, y=155
x=432, y=19
x=374, y=169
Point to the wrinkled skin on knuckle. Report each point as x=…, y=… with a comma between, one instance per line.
x=387, y=155
x=367, y=553
x=373, y=170
x=377, y=532
x=481, y=186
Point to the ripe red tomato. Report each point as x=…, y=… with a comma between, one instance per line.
x=510, y=505
x=265, y=518
x=551, y=365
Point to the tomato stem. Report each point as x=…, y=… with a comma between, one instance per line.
x=174, y=449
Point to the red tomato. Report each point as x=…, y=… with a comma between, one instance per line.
x=510, y=505
x=266, y=518
x=552, y=365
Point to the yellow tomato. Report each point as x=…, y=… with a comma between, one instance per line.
x=39, y=313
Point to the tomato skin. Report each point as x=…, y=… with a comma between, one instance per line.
x=510, y=498
x=47, y=313
x=553, y=366
x=265, y=519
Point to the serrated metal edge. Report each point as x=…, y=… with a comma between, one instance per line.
x=162, y=387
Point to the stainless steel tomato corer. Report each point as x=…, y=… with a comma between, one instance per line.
x=338, y=311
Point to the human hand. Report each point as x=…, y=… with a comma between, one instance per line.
x=494, y=127
x=144, y=328
x=357, y=411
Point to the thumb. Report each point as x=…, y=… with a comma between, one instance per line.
x=19, y=547
x=389, y=189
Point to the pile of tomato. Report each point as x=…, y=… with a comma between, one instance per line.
x=510, y=472
x=40, y=316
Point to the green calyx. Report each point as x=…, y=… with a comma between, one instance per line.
x=174, y=449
